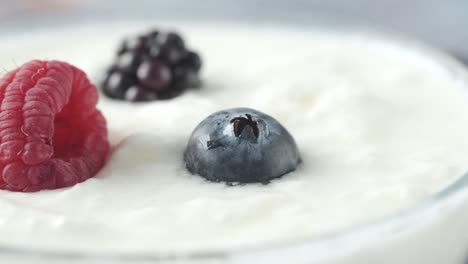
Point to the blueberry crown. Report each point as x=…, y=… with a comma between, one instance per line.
x=239, y=123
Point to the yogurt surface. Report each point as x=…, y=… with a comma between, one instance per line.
x=381, y=126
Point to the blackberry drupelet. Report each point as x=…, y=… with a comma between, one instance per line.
x=153, y=66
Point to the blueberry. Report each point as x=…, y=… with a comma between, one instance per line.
x=241, y=145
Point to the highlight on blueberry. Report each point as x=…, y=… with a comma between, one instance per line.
x=152, y=66
x=241, y=145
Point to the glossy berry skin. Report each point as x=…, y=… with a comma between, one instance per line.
x=241, y=145
x=136, y=94
x=154, y=75
x=152, y=66
x=117, y=83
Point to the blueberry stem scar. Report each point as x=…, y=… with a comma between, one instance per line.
x=239, y=123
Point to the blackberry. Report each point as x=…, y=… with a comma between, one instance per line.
x=153, y=66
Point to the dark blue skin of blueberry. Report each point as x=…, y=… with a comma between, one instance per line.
x=241, y=145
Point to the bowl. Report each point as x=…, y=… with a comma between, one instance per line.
x=435, y=231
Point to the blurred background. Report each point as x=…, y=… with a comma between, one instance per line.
x=442, y=23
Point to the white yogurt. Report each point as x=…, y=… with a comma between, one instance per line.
x=381, y=127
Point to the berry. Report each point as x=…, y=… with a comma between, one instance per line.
x=156, y=62
x=117, y=84
x=135, y=45
x=52, y=136
x=241, y=145
x=128, y=62
x=192, y=61
x=136, y=94
x=154, y=75
x=170, y=39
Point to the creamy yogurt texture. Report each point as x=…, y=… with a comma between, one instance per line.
x=381, y=126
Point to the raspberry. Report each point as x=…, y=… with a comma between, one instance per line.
x=51, y=134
